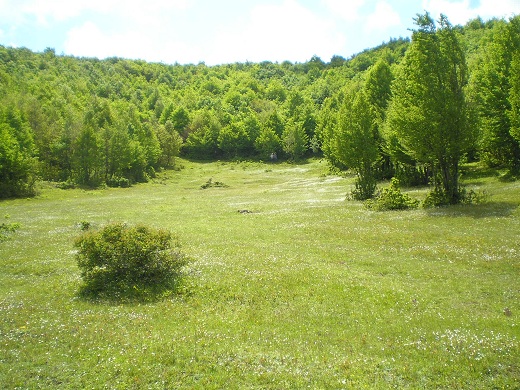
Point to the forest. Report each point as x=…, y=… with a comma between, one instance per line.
x=414, y=109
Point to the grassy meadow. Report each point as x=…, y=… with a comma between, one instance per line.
x=305, y=290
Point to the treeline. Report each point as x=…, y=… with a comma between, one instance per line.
x=84, y=121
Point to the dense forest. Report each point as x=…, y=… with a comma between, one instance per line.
x=410, y=108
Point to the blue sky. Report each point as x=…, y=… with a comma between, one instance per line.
x=223, y=31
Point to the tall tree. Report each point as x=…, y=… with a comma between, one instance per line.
x=267, y=142
x=514, y=98
x=428, y=111
x=17, y=155
x=295, y=140
x=202, y=141
x=170, y=142
x=378, y=90
x=494, y=83
x=88, y=157
x=356, y=142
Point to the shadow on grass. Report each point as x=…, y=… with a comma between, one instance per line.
x=134, y=295
x=474, y=172
x=484, y=210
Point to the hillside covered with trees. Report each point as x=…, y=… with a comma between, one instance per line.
x=412, y=109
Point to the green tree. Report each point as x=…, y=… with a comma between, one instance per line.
x=295, y=141
x=17, y=159
x=116, y=154
x=495, y=81
x=275, y=122
x=88, y=157
x=357, y=142
x=428, y=111
x=170, y=142
x=327, y=123
x=233, y=139
x=378, y=89
x=276, y=91
x=514, y=98
x=204, y=130
x=180, y=120
x=267, y=142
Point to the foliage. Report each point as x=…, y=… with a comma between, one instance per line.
x=7, y=228
x=496, y=85
x=210, y=183
x=356, y=142
x=391, y=198
x=268, y=142
x=514, y=97
x=438, y=198
x=18, y=165
x=378, y=89
x=121, y=261
x=428, y=114
x=295, y=140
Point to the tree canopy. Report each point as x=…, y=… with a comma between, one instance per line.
x=428, y=113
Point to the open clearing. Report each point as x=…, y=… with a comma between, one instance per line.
x=305, y=290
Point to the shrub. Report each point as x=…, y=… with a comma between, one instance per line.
x=119, y=261
x=84, y=225
x=392, y=198
x=437, y=197
x=66, y=185
x=473, y=197
x=365, y=187
x=6, y=229
x=210, y=183
x=122, y=182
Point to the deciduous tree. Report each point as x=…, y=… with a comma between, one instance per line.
x=356, y=142
x=428, y=112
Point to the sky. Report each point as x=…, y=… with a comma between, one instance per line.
x=224, y=31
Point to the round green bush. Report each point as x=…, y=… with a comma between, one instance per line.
x=120, y=260
x=392, y=198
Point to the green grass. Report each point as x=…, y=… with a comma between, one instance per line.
x=307, y=290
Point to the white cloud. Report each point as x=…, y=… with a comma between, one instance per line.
x=502, y=8
x=277, y=32
x=382, y=18
x=49, y=11
x=345, y=9
x=459, y=12
x=133, y=31
x=89, y=40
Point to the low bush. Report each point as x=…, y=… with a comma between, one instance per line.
x=66, y=185
x=365, y=187
x=7, y=228
x=473, y=196
x=437, y=197
x=210, y=183
x=392, y=198
x=119, y=262
x=122, y=182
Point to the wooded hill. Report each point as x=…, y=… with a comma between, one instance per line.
x=85, y=121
